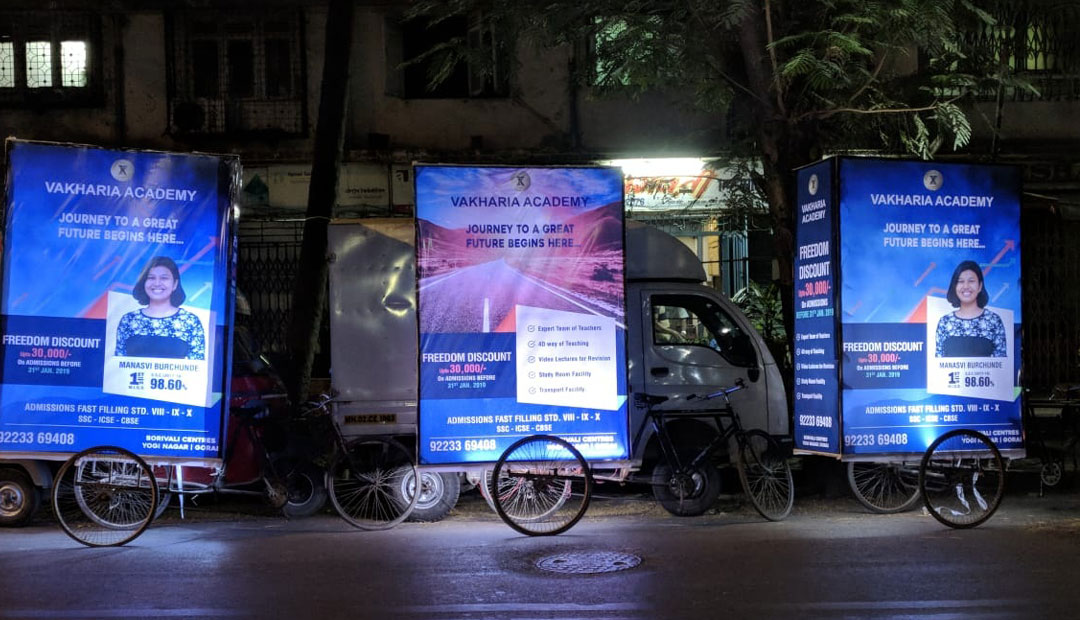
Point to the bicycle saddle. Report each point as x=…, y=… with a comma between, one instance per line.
x=648, y=400
x=251, y=410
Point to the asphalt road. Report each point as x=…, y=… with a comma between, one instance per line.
x=464, y=299
x=830, y=559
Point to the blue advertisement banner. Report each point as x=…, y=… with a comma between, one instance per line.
x=931, y=314
x=521, y=308
x=817, y=404
x=116, y=301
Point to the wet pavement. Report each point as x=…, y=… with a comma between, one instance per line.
x=829, y=559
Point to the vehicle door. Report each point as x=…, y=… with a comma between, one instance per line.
x=695, y=345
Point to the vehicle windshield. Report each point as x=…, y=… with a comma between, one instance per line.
x=699, y=321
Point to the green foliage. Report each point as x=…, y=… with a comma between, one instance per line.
x=740, y=184
x=840, y=71
x=761, y=304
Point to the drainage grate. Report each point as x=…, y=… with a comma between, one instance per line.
x=588, y=562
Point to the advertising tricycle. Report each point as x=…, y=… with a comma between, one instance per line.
x=907, y=330
x=117, y=307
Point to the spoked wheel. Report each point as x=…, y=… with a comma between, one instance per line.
x=363, y=482
x=962, y=478
x=765, y=475
x=884, y=488
x=105, y=496
x=541, y=486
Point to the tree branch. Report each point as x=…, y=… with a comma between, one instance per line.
x=822, y=114
x=727, y=78
x=772, y=58
x=870, y=80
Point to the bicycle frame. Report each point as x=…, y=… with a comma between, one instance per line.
x=658, y=419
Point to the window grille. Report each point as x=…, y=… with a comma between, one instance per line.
x=237, y=72
x=1036, y=40
x=482, y=73
x=50, y=58
x=269, y=253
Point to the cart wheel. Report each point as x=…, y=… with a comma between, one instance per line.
x=884, y=488
x=104, y=496
x=962, y=478
x=541, y=486
x=363, y=479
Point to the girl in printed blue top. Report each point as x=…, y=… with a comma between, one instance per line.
x=971, y=330
x=162, y=328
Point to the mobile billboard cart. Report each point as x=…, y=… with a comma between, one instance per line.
x=907, y=330
x=521, y=311
x=523, y=340
x=117, y=303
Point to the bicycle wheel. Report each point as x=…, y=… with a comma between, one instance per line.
x=104, y=496
x=362, y=480
x=962, y=478
x=765, y=475
x=884, y=488
x=541, y=486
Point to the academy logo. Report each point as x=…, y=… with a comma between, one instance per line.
x=122, y=170
x=521, y=181
x=932, y=180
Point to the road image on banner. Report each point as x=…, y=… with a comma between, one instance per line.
x=115, y=300
x=521, y=310
x=931, y=305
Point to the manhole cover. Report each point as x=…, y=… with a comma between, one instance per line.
x=588, y=562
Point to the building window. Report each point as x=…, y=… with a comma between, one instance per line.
x=237, y=72
x=49, y=58
x=458, y=58
x=1034, y=40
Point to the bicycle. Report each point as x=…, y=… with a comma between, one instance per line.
x=368, y=478
x=541, y=485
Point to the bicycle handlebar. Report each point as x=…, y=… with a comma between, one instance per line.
x=739, y=385
x=317, y=406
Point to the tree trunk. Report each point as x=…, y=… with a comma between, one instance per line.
x=309, y=290
x=783, y=147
